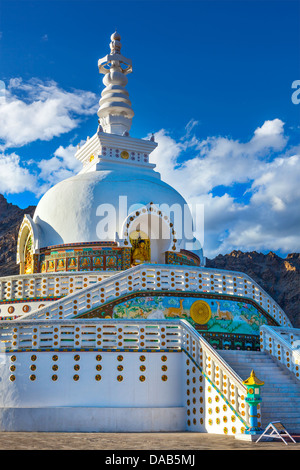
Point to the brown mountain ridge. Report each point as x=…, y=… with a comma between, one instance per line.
x=279, y=277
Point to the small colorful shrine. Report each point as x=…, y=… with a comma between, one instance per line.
x=114, y=322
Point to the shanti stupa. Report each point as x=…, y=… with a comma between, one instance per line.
x=114, y=323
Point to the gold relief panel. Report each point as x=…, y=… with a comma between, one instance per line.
x=50, y=265
x=72, y=263
x=61, y=265
x=35, y=263
x=111, y=261
x=28, y=260
x=98, y=261
x=84, y=263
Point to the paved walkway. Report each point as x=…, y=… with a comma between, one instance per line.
x=134, y=442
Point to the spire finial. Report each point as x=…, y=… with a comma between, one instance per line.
x=115, y=112
x=115, y=45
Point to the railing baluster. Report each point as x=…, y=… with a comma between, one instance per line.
x=280, y=343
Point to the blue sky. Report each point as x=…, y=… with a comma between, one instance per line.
x=212, y=79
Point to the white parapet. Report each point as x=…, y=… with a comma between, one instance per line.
x=115, y=376
x=152, y=277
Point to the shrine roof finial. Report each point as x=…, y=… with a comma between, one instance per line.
x=115, y=112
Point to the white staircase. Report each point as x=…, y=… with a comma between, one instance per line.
x=281, y=392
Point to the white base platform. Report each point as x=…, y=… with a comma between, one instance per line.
x=90, y=419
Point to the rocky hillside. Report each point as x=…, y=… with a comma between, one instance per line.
x=280, y=277
x=11, y=217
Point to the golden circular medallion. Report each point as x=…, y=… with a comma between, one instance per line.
x=200, y=312
x=125, y=154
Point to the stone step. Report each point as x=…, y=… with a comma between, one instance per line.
x=290, y=425
x=266, y=372
x=284, y=387
x=236, y=353
x=281, y=392
x=280, y=396
x=269, y=408
x=266, y=395
x=278, y=381
x=261, y=364
x=292, y=428
x=275, y=398
x=261, y=360
x=275, y=376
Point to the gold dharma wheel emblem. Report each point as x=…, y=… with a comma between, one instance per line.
x=125, y=154
x=200, y=312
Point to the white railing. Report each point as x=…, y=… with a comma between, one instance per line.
x=44, y=285
x=216, y=369
x=130, y=335
x=93, y=334
x=283, y=344
x=149, y=277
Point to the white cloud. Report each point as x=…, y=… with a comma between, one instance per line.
x=268, y=217
x=217, y=160
x=61, y=166
x=36, y=110
x=37, y=178
x=13, y=177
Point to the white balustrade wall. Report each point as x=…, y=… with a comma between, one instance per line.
x=30, y=286
x=156, y=277
x=93, y=334
x=283, y=344
x=216, y=369
x=25, y=293
x=138, y=335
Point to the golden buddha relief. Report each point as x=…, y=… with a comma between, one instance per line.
x=61, y=264
x=28, y=256
x=72, y=263
x=140, y=252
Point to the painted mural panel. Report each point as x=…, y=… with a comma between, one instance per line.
x=210, y=314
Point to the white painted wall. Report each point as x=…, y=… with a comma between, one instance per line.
x=135, y=405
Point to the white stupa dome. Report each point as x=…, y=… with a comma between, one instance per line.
x=72, y=210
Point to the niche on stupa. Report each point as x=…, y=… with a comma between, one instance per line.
x=141, y=249
x=150, y=234
x=27, y=253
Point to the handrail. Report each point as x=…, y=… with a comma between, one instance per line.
x=162, y=277
x=214, y=353
x=229, y=384
x=280, y=343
